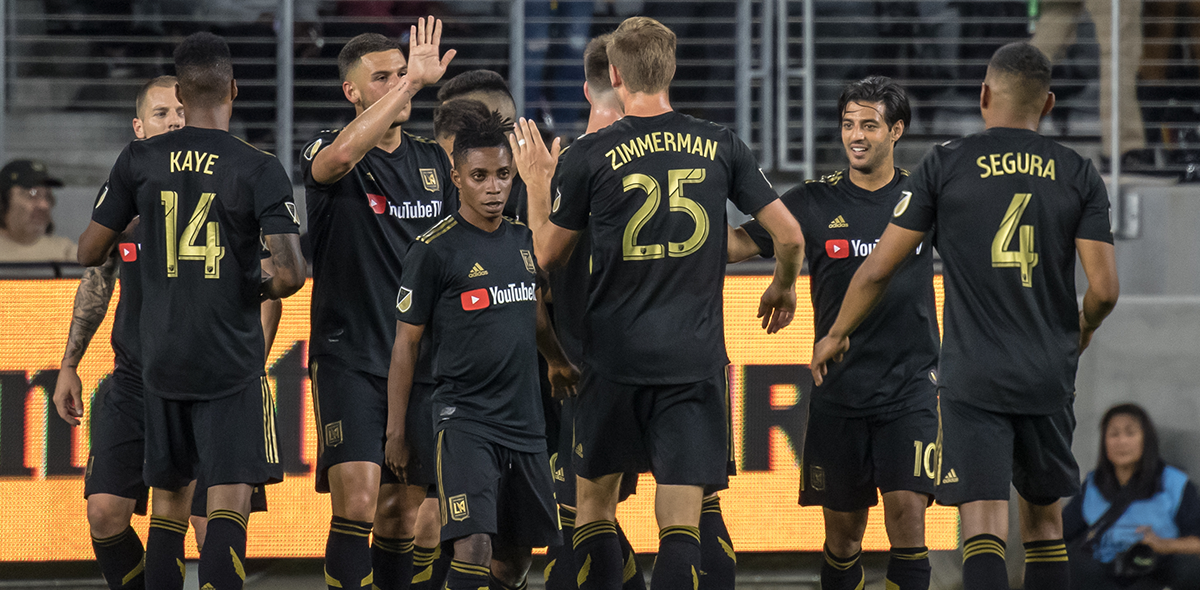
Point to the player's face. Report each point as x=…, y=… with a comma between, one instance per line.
x=29, y=210
x=374, y=76
x=484, y=178
x=1124, y=440
x=866, y=136
x=161, y=112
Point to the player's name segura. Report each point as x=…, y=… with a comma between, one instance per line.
x=193, y=161
x=1015, y=163
x=661, y=141
x=512, y=293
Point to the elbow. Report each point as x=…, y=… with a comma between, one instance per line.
x=89, y=257
x=291, y=283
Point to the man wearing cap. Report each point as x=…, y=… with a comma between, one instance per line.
x=25, y=223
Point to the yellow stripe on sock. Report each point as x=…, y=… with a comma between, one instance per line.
x=584, y=571
x=331, y=581
x=133, y=573
x=690, y=531
x=237, y=564
x=630, y=568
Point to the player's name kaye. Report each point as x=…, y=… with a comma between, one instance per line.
x=405, y=210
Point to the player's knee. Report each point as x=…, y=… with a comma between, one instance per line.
x=106, y=519
x=906, y=510
x=356, y=505
x=512, y=569
x=476, y=549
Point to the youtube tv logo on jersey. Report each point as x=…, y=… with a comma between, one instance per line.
x=378, y=203
x=837, y=248
x=128, y=251
x=475, y=299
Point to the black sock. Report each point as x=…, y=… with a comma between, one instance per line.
x=718, y=562
x=908, y=568
x=1046, y=566
x=842, y=573
x=423, y=566
x=392, y=562
x=122, y=560
x=598, y=562
x=495, y=584
x=441, y=565
x=221, y=562
x=560, y=561
x=678, y=564
x=631, y=573
x=164, y=559
x=983, y=564
x=348, y=554
x=467, y=576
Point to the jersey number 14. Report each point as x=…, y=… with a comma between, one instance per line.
x=1023, y=257
x=185, y=247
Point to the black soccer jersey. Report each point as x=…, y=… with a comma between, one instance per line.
x=568, y=288
x=361, y=227
x=204, y=197
x=126, y=341
x=651, y=191
x=475, y=291
x=1008, y=205
x=898, y=343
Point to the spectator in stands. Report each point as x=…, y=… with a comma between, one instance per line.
x=26, y=199
x=1137, y=522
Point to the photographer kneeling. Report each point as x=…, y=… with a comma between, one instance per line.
x=1136, y=523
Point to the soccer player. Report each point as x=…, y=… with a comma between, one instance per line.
x=371, y=190
x=205, y=199
x=880, y=403
x=453, y=116
x=1012, y=210
x=654, y=395
x=471, y=280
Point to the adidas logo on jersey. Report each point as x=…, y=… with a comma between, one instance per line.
x=838, y=223
x=477, y=271
x=951, y=477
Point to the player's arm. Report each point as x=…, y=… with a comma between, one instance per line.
x=288, y=265
x=562, y=373
x=399, y=387
x=366, y=130
x=91, y=304
x=865, y=291
x=271, y=310
x=96, y=244
x=552, y=244
x=741, y=246
x=778, y=303
x=1100, y=265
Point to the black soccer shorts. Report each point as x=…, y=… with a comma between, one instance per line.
x=680, y=433
x=118, y=426
x=846, y=459
x=227, y=440
x=258, y=499
x=418, y=430
x=564, y=468
x=485, y=487
x=351, y=408
x=982, y=452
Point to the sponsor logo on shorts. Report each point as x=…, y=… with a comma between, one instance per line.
x=333, y=434
x=430, y=180
x=817, y=478
x=579, y=449
x=951, y=477
x=458, y=507
x=527, y=256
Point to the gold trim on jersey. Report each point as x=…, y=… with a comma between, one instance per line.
x=438, y=229
x=316, y=402
x=252, y=146
x=270, y=439
x=441, y=487
x=938, y=481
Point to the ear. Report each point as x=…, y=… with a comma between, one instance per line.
x=350, y=91
x=138, y=131
x=1049, y=105
x=178, y=93
x=587, y=93
x=897, y=130
x=456, y=179
x=985, y=96
x=232, y=90
x=615, y=76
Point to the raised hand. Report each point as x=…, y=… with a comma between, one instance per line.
x=424, y=44
x=534, y=162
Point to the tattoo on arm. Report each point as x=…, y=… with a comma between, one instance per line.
x=91, y=304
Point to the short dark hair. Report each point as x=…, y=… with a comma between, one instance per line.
x=643, y=51
x=159, y=82
x=1145, y=481
x=878, y=89
x=204, y=69
x=485, y=81
x=453, y=116
x=1027, y=68
x=359, y=46
x=595, y=64
x=492, y=131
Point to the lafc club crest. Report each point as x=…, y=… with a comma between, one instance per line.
x=458, y=507
x=528, y=258
x=430, y=180
x=817, y=478
x=333, y=434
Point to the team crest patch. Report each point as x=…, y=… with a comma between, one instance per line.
x=458, y=507
x=333, y=434
x=817, y=478
x=902, y=206
x=527, y=256
x=311, y=151
x=430, y=180
x=404, y=300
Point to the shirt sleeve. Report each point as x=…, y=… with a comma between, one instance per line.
x=1188, y=516
x=320, y=142
x=420, y=285
x=917, y=207
x=761, y=237
x=570, y=202
x=273, y=202
x=1095, y=223
x=116, y=205
x=750, y=191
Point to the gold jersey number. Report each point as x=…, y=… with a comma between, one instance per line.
x=676, y=179
x=1023, y=257
x=185, y=247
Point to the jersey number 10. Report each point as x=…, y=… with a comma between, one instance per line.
x=185, y=247
x=630, y=248
x=1023, y=257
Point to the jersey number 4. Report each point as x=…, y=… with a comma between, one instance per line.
x=185, y=248
x=1023, y=257
x=631, y=250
